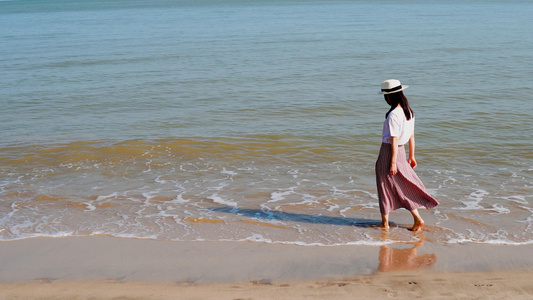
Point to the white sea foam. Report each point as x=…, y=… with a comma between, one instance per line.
x=220, y=186
x=279, y=196
x=342, y=211
x=103, y=197
x=90, y=206
x=179, y=200
x=127, y=235
x=13, y=211
x=220, y=200
x=529, y=219
x=159, y=180
x=332, y=206
x=473, y=200
x=230, y=173
x=257, y=238
x=499, y=209
x=516, y=198
x=39, y=235
x=294, y=173
x=491, y=242
x=266, y=210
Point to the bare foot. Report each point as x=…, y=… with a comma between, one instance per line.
x=384, y=226
x=417, y=225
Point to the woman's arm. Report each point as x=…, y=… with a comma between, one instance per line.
x=394, y=145
x=411, y=159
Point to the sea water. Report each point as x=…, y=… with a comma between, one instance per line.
x=260, y=120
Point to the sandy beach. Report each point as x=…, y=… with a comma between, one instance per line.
x=226, y=149
x=100, y=267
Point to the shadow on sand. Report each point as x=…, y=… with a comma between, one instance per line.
x=283, y=216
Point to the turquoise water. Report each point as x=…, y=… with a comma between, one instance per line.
x=260, y=120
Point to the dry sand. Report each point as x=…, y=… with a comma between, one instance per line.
x=101, y=267
x=427, y=285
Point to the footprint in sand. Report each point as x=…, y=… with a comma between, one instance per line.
x=45, y=280
x=483, y=285
x=261, y=282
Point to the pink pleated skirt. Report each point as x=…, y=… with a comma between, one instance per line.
x=403, y=190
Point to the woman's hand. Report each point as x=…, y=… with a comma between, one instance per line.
x=411, y=159
x=412, y=162
x=393, y=169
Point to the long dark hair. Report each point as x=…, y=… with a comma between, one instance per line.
x=399, y=98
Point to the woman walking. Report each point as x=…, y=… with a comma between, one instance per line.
x=397, y=183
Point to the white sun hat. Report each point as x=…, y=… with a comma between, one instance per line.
x=390, y=86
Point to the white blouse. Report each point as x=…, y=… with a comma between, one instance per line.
x=397, y=125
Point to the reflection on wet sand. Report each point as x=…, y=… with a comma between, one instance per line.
x=392, y=260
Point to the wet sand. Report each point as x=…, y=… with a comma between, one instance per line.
x=105, y=267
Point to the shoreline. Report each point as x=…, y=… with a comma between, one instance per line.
x=107, y=267
x=103, y=257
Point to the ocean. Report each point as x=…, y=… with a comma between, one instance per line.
x=260, y=120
